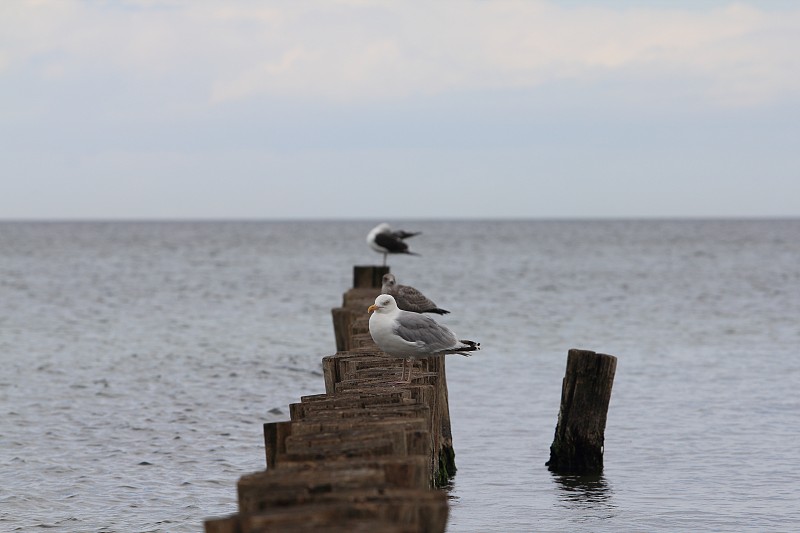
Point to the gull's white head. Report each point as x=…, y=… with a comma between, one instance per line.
x=383, y=304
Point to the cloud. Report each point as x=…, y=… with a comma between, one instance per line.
x=351, y=51
x=401, y=50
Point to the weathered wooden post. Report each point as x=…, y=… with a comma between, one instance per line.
x=369, y=277
x=585, y=393
x=365, y=455
x=367, y=281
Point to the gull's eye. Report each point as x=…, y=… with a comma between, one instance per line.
x=386, y=302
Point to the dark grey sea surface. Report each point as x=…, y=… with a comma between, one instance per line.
x=138, y=362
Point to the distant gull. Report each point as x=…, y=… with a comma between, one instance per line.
x=408, y=298
x=385, y=241
x=411, y=335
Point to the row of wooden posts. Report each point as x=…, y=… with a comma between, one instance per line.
x=371, y=455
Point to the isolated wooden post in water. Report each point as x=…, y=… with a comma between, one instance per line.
x=585, y=393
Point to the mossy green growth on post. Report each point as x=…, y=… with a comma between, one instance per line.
x=447, y=466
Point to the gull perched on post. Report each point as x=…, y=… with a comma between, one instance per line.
x=411, y=335
x=408, y=298
x=385, y=241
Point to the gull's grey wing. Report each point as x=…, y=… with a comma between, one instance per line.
x=413, y=327
x=413, y=299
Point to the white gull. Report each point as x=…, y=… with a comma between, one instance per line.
x=411, y=335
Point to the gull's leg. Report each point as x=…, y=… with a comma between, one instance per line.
x=402, y=373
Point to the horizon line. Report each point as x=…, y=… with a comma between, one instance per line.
x=616, y=218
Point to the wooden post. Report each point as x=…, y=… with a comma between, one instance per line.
x=585, y=393
x=275, y=434
x=369, y=277
x=343, y=319
x=367, y=281
x=365, y=455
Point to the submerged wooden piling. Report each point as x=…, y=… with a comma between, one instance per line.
x=364, y=456
x=580, y=432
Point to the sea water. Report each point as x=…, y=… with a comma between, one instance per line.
x=139, y=360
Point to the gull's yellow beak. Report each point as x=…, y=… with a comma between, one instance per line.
x=372, y=308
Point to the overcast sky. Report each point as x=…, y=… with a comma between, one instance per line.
x=399, y=109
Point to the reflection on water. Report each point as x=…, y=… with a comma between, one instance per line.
x=585, y=492
x=449, y=488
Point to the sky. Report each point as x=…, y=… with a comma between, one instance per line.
x=356, y=109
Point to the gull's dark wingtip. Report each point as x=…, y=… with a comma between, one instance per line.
x=471, y=345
